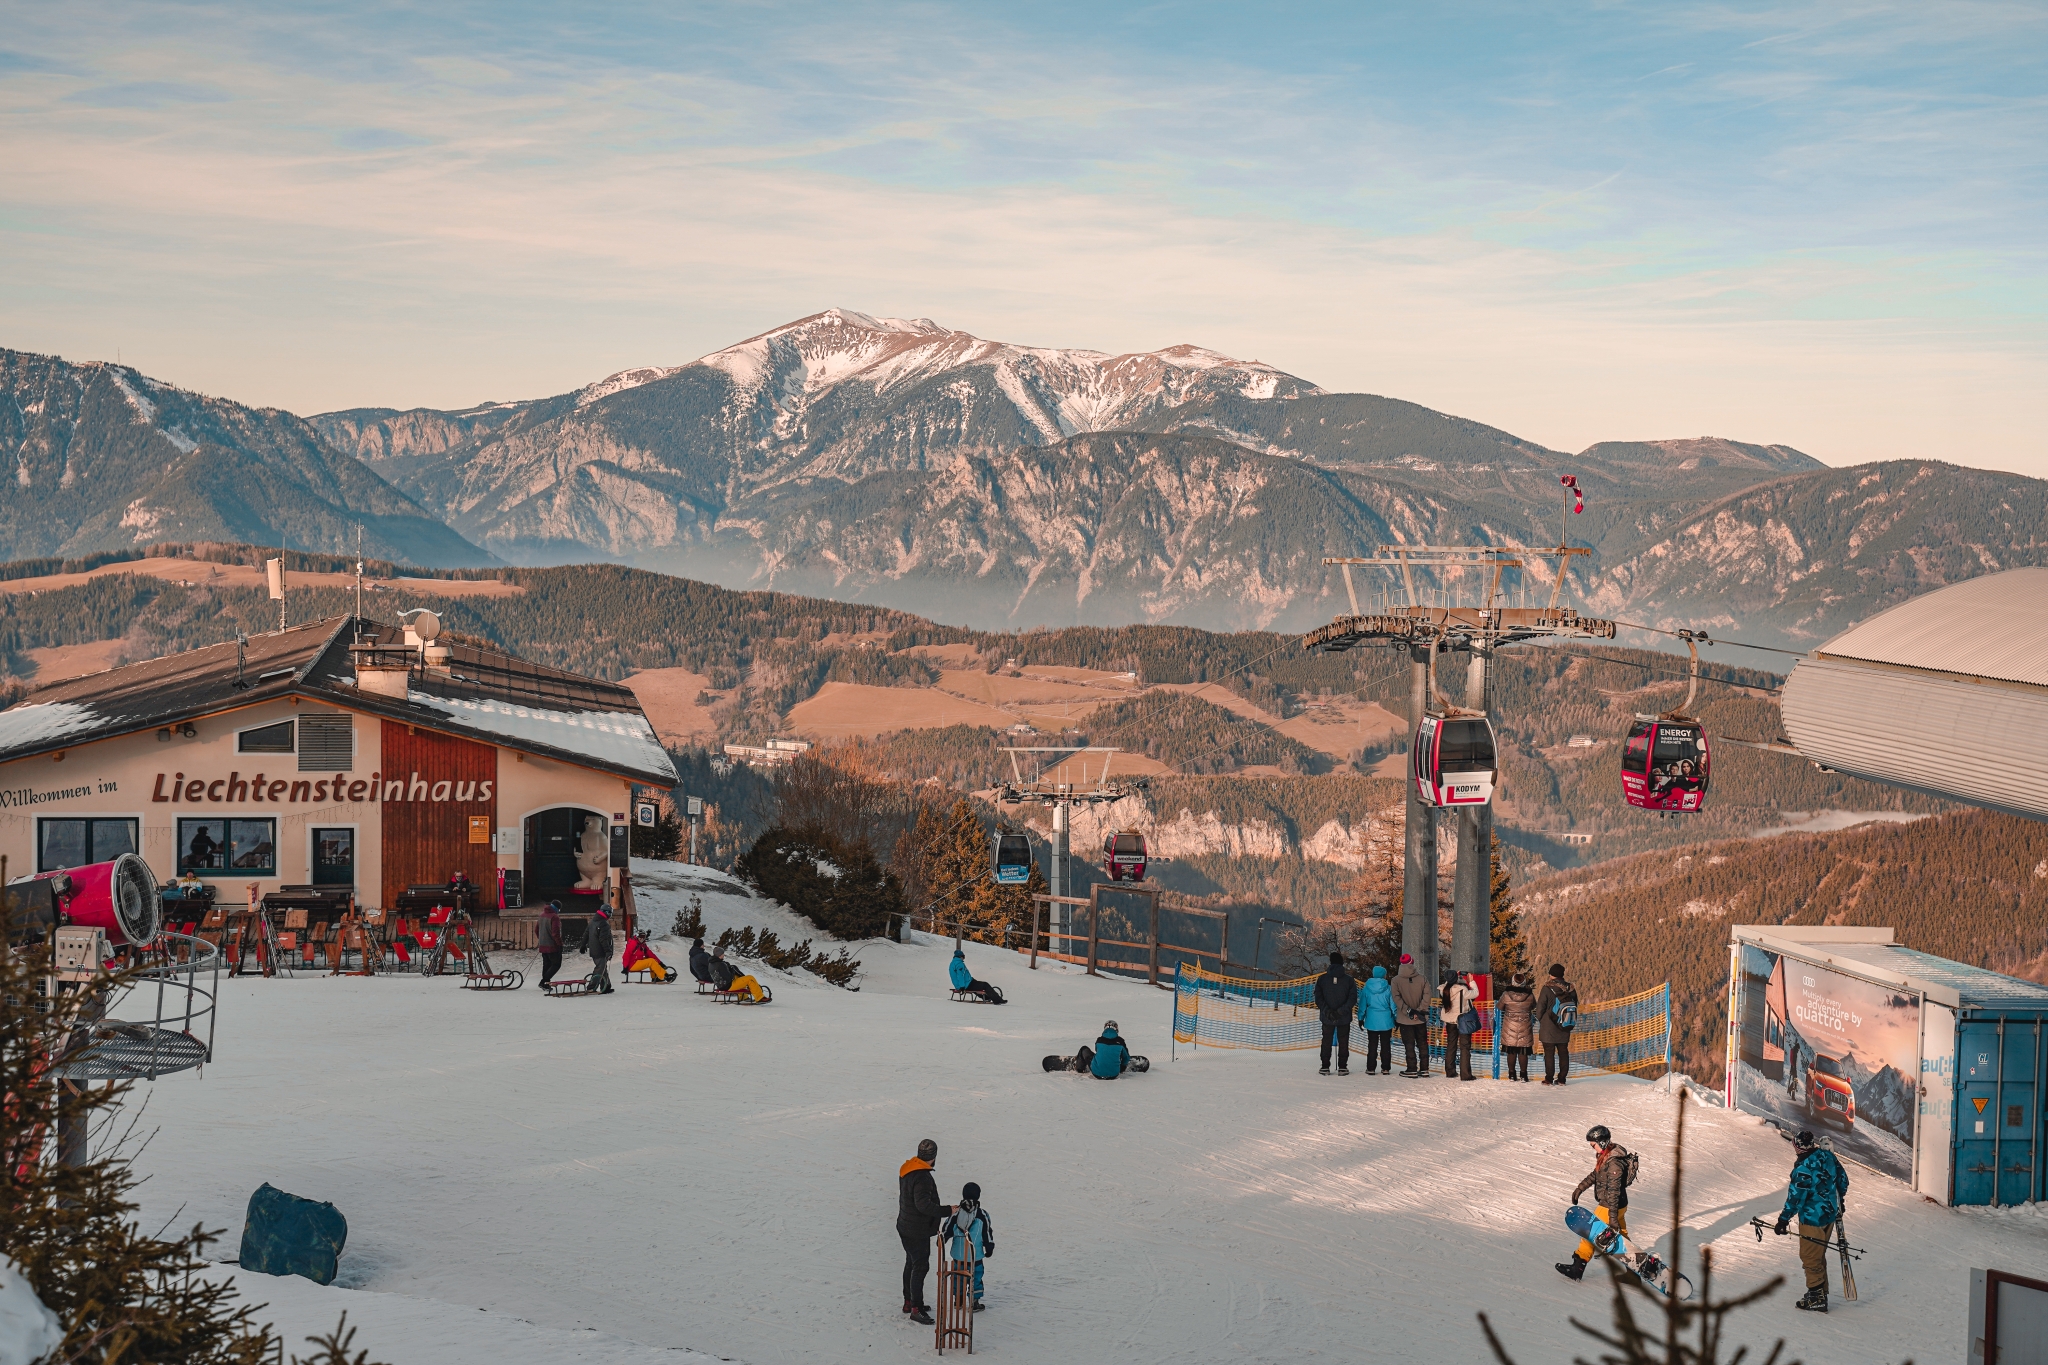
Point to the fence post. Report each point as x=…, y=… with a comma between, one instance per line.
x=1094, y=924
x=1154, y=978
x=1035, y=906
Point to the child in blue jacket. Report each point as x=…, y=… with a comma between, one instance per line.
x=970, y=1220
x=963, y=980
x=1376, y=1017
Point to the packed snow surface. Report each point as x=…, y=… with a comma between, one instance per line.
x=28, y=1330
x=601, y=1179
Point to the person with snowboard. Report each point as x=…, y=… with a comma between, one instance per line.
x=1336, y=997
x=1614, y=1170
x=1376, y=1017
x=601, y=950
x=918, y=1212
x=1411, y=1004
x=970, y=1220
x=1460, y=1006
x=1557, y=1014
x=1814, y=1196
x=1110, y=1058
x=1518, y=1024
x=548, y=937
x=963, y=980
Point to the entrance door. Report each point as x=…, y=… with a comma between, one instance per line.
x=334, y=857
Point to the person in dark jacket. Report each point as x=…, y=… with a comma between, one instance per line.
x=1336, y=999
x=1614, y=1170
x=918, y=1214
x=1411, y=1016
x=1376, y=1017
x=723, y=973
x=549, y=938
x=601, y=950
x=1551, y=1028
x=700, y=961
x=1814, y=1196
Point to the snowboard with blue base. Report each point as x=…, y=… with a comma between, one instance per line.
x=1644, y=1265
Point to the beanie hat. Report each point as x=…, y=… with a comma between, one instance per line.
x=1804, y=1142
x=605, y=910
x=1557, y=970
x=970, y=1192
x=1380, y=972
x=927, y=1150
x=1109, y=1026
x=1407, y=958
x=1336, y=957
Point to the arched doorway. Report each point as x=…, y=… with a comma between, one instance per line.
x=567, y=857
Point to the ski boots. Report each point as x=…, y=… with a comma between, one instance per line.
x=1574, y=1269
x=1816, y=1301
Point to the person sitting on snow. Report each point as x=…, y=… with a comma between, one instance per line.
x=970, y=1220
x=963, y=980
x=700, y=961
x=638, y=957
x=1110, y=1058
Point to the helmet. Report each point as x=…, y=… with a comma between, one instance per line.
x=1109, y=1026
x=1805, y=1142
x=1598, y=1133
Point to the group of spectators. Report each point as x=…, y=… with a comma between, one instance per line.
x=1528, y=1016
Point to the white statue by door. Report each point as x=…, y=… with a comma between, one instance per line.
x=592, y=854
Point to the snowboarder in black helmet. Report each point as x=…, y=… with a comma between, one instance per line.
x=1814, y=1196
x=1614, y=1170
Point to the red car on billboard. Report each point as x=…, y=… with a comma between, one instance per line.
x=1828, y=1095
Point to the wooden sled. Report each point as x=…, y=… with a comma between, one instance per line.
x=972, y=997
x=495, y=981
x=953, y=1313
x=562, y=986
x=742, y=997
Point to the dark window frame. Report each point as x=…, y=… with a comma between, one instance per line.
x=182, y=848
x=291, y=742
x=43, y=821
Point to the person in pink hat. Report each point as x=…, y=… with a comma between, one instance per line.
x=1411, y=1016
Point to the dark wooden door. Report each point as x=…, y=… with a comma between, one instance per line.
x=433, y=785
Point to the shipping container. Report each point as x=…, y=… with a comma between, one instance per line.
x=1929, y=1071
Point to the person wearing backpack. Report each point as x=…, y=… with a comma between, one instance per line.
x=1461, y=1022
x=1557, y=1014
x=1614, y=1170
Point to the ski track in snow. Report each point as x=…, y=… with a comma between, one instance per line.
x=615, y=1179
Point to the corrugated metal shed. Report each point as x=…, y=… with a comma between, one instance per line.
x=1975, y=987
x=1991, y=627
x=1947, y=694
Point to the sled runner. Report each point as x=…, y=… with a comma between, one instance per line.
x=1644, y=1265
x=493, y=981
x=969, y=996
x=1067, y=1064
x=742, y=997
x=561, y=985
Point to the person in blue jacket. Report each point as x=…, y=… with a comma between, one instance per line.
x=970, y=1220
x=963, y=980
x=1814, y=1197
x=1111, y=1057
x=1376, y=1017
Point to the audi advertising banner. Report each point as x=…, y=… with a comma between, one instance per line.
x=1834, y=1053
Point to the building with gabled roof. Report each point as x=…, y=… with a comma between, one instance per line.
x=342, y=754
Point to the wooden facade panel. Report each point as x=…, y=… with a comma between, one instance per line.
x=432, y=786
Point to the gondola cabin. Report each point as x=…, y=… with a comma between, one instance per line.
x=1453, y=761
x=1123, y=856
x=1013, y=860
x=1666, y=765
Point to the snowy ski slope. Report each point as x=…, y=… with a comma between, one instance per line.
x=613, y=1179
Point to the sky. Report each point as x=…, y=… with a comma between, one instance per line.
x=1820, y=225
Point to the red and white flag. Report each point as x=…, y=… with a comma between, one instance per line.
x=1571, y=481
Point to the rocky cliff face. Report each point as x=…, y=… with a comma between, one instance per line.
x=105, y=457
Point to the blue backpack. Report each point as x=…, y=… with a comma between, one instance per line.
x=1565, y=1012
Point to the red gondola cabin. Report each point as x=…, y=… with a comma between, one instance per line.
x=1666, y=765
x=1123, y=856
x=1453, y=761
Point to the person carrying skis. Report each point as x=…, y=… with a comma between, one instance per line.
x=918, y=1212
x=601, y=950
x=1336, y=997
x=1557, y=1014
x=970, y=1220
x=1376, y=1017
x=1813, y=1196
x=548, y=938
x=1614, y=1170
x=1411, y=1005
x=963, y=980
x=1518, y=1024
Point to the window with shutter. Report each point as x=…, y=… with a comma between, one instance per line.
x=327, y=742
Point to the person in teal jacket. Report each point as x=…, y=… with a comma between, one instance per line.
x=1814, y=1197
x=1112, y=1056
x=1376, y=1017
x=963, y=980
x=970, y=1220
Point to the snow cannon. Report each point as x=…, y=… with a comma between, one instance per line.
x=119, y=897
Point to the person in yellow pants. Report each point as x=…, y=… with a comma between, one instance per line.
x=749, y=985
x=1614, y=1170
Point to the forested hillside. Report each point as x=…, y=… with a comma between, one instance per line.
x=1972, y=886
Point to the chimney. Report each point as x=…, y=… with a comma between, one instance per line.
x=382, y=669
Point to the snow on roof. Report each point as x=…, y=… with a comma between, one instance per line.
x=1976, y=987
x=40, y=723
x=613, y=738
x=1993, y=627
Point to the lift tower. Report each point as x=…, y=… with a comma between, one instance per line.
x=1475, y=631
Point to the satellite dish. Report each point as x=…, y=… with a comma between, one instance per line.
x=426, y=625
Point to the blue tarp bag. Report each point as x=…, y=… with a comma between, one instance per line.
x=287, y=1235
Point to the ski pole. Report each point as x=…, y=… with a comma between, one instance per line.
x=1841, y=1241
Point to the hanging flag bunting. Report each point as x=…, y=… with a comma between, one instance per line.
x=1571, y=481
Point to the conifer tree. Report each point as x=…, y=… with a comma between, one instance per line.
x=1510, y=944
